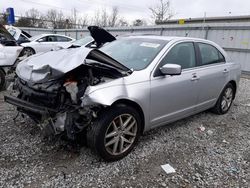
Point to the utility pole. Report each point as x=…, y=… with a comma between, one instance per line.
x=204, y=20
x=74, y=16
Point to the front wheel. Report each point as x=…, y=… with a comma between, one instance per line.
x=28, y=51
x=2, y=79
x=225, y=100
x=115, y=133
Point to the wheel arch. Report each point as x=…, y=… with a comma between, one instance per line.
x=2, y=78
x=136, y=106
x=233, y=82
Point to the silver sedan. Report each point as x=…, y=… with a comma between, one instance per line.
x=173, y=78
x=129, y=86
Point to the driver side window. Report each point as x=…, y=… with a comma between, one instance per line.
x=182, y=54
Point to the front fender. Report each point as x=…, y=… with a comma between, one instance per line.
x=105, y=96
x=138, y=93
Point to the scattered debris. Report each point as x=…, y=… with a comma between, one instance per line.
x=219, y=160
x=168, y=169
x=209, y=132
x=224, y=141
x=202, y=128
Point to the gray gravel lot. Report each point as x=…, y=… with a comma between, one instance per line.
x=219, y=156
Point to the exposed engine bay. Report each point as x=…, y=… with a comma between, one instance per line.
x=56, y=105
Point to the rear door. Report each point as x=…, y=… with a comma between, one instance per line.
x=175, y=97
x=213, y=74
x=62, y=41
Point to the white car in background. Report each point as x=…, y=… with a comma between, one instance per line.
x=10, y=53
x=45, y=43
x=97, y=38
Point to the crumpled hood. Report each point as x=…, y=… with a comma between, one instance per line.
x=42, y=67
x=45, y=66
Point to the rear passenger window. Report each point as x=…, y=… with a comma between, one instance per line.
x=210, y=54
x=63, y=39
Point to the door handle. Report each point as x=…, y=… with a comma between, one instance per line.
x=225, y=71
x=195, y=77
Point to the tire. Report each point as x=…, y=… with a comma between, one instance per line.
x=28, y=51
x=2, y=79
x=106, y=135
x=225, y=100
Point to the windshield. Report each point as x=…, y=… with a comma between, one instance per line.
x=83, y=41
x=134, y=53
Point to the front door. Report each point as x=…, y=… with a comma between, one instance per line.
x=174, y=97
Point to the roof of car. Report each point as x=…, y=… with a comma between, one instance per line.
x=167, y=38
x=51, y=34
x=48, y=34
x=180, y=39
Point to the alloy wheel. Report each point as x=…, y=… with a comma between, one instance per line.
x=227, y=99
x=121, y=134
x=28, y=52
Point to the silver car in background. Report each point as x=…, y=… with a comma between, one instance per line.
x=125, y=88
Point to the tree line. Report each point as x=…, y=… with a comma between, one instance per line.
x=160, y=12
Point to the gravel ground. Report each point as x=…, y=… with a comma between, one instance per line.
x=218, y=156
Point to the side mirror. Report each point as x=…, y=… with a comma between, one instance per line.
x=170, y=69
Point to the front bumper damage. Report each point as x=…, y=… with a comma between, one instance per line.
x=54, y=122
x=23, y=105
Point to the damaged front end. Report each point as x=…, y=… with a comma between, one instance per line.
x=55, y=106
x=54, y=101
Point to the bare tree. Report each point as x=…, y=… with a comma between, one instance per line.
x=52, y=17
x=96, y=20
x=162, y=11
x=138, y=22
x=104, y=18
x=83, y=21
x=74, y=17
x=56, y=18
x=113, y=17
x=23, y=22
x=3, y=19
x=42, y=22
x=122, y=22
x=69, y=23
x=34, y=16
x=60, y=20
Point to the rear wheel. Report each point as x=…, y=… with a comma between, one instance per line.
x=115, y=133
x=225, y=100
x=2, y=79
